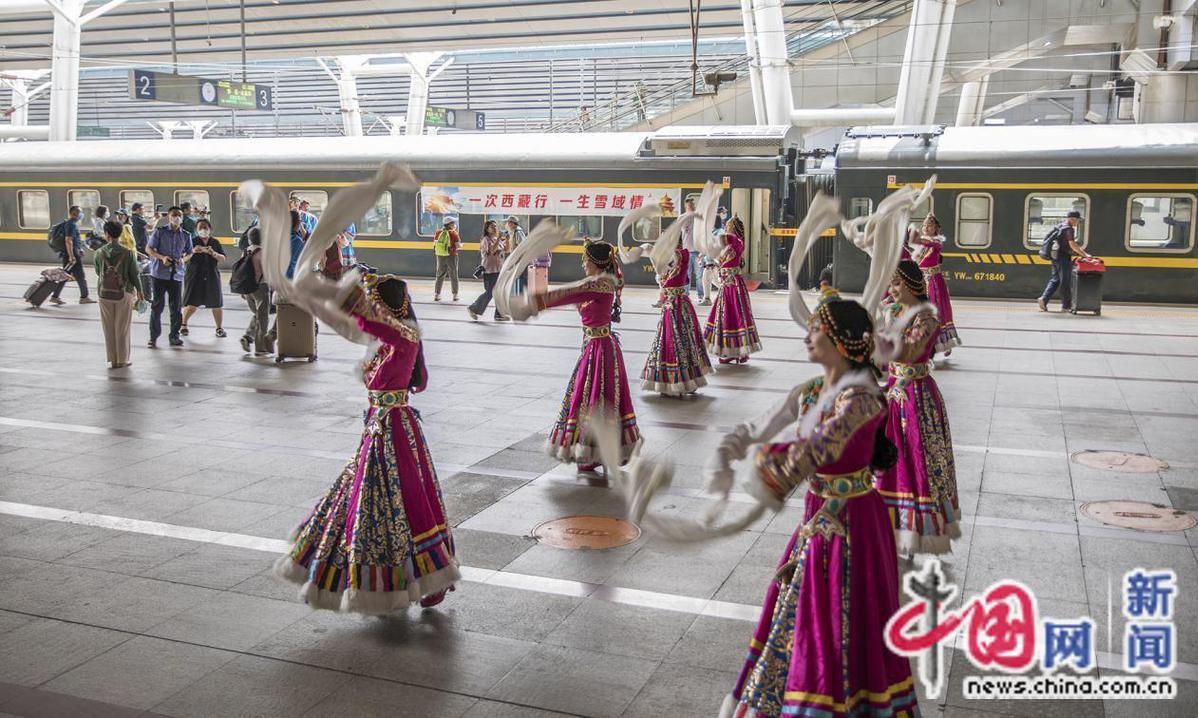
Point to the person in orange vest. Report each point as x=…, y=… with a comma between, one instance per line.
x=445, y=246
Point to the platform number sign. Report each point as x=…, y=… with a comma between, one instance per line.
x=143, y=85
x=264, y=97
x=480, y=121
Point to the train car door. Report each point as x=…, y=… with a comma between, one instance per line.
x=753, y=208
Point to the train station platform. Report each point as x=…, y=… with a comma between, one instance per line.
x=141, y=510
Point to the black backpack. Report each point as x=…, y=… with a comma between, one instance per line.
x=57, y=237
x=1050, y=242
x=243, y=281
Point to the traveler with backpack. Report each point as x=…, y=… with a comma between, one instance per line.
x=1059, y=246
x=64, y=239
x=201, y=281
x=120, y=284
x=246, y=280
x=169, y=248
x=445, y=247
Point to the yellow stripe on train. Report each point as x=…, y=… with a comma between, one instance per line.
x=1155, y=262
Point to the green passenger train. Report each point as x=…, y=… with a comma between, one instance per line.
x=999, y=190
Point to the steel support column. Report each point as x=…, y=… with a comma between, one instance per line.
x=973, y=102
x=422, y=78
x=69, y=20
x=923, y=61
x=746, y=12
x=777, y=96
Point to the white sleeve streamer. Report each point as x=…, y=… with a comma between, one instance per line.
x=824, y=212
x=643, y=212
x=640, y=479
x=308, y=288
x=706, y=209
x=543, y=238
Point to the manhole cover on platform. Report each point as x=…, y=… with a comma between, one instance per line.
x=586, y=532
x=1139, y=516
x=1124, y=461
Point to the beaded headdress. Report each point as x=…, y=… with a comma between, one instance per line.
x=371, y=284
x=856, y=350
x=917, y=285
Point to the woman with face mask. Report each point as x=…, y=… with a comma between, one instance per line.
x=201, y=281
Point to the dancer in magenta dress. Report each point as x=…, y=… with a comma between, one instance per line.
x=928, y=244
x=677, y=359
x=599, y=379
x=378, y=539
x=731, y=332
x=819, y=648
x=920, y=490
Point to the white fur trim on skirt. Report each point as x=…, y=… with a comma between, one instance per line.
x=682, y=387
x=583, y=453
x=733, y=352
x=370, y=603
x=910, y=542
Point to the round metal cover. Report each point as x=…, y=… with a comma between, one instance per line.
x=587, y=532
x=1139, y=515
x=1123, y=461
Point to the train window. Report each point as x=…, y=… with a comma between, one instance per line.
x=1160, y=222
x=860, y=207
x=196, y=197
x=241, y=210
x=33, y=209
x=428, y=221
x=499, y=219
x=88, y=200
x=1044, y=211
x=317, y=199
x=129, y=196
x=646, y=229
x=591, y=226
x=973, y=220
x=378, y=219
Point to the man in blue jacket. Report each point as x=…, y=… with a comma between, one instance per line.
x=169, y=248
x=72, y=257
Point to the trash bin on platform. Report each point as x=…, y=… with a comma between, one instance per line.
x=1087, y=285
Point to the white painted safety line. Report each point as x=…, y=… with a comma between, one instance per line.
x=524, y=582
x=520, y=581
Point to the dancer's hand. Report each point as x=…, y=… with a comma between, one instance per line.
x=736, y=444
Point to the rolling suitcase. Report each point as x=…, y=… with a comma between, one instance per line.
x=296, y=334
x=1087, y=285
x=40, y=291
